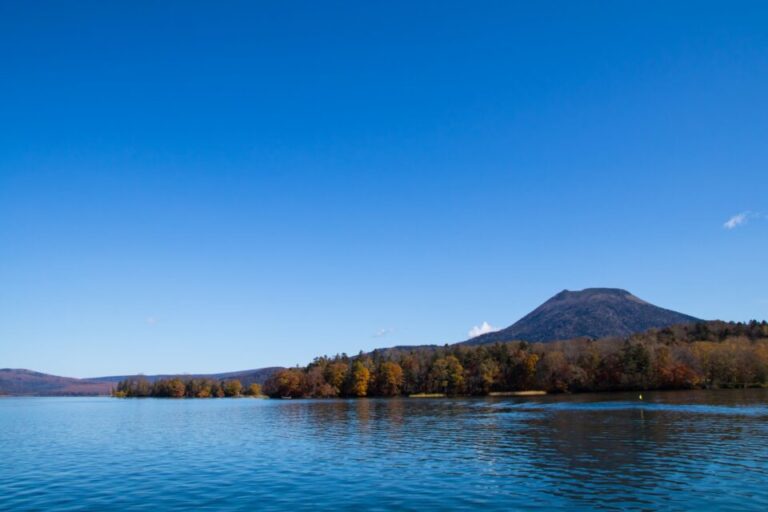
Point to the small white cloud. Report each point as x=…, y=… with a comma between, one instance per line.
x=484, y=328
x=737, y=220
x=151, y=320
x=383, y=332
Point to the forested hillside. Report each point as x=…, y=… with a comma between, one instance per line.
x=701, y=355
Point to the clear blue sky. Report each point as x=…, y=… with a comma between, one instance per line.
x=200, y=187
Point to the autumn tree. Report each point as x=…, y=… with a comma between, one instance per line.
x=335, y=374
x=389, y=379
x=254, y=390
x=287, y=382
x=198, y=388
x=447, y=375
x=232, y=387
x=216, y=390
x=488, y=372
x=360, y=377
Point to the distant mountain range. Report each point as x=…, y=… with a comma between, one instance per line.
x=592, y=313
x=29, y=383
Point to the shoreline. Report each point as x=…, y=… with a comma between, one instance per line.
x=417, y=396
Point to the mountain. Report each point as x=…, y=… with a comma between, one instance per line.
x=593, y=312
x=29, y=383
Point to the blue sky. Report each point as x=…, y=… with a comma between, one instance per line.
x=206, y=186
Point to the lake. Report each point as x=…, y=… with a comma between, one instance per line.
x=672, y=450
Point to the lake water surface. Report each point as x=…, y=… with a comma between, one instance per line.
x=675, y=450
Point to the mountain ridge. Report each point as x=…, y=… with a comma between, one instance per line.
x=23, y=382
x=591, y=312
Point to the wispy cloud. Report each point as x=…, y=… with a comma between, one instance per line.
x=483, y=328
x=383, y=332
x=151, y=320
x=742, y=218
x=737, y=220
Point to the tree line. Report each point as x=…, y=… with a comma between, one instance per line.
x=702, y=355
x=177, y=387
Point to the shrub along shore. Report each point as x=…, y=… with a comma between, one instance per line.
x=704, y=355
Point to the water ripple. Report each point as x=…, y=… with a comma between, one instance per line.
x=676, y=451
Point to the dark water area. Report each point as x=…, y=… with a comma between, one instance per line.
x=699, y=450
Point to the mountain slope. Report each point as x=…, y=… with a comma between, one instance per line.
x=593, y=312
x=27, y=382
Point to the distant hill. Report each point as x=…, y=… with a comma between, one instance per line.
x=246, y=377
x=21, y=382
x=27, y=382
x=593, y=312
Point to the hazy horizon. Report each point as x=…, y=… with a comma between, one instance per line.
x=191, y=189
